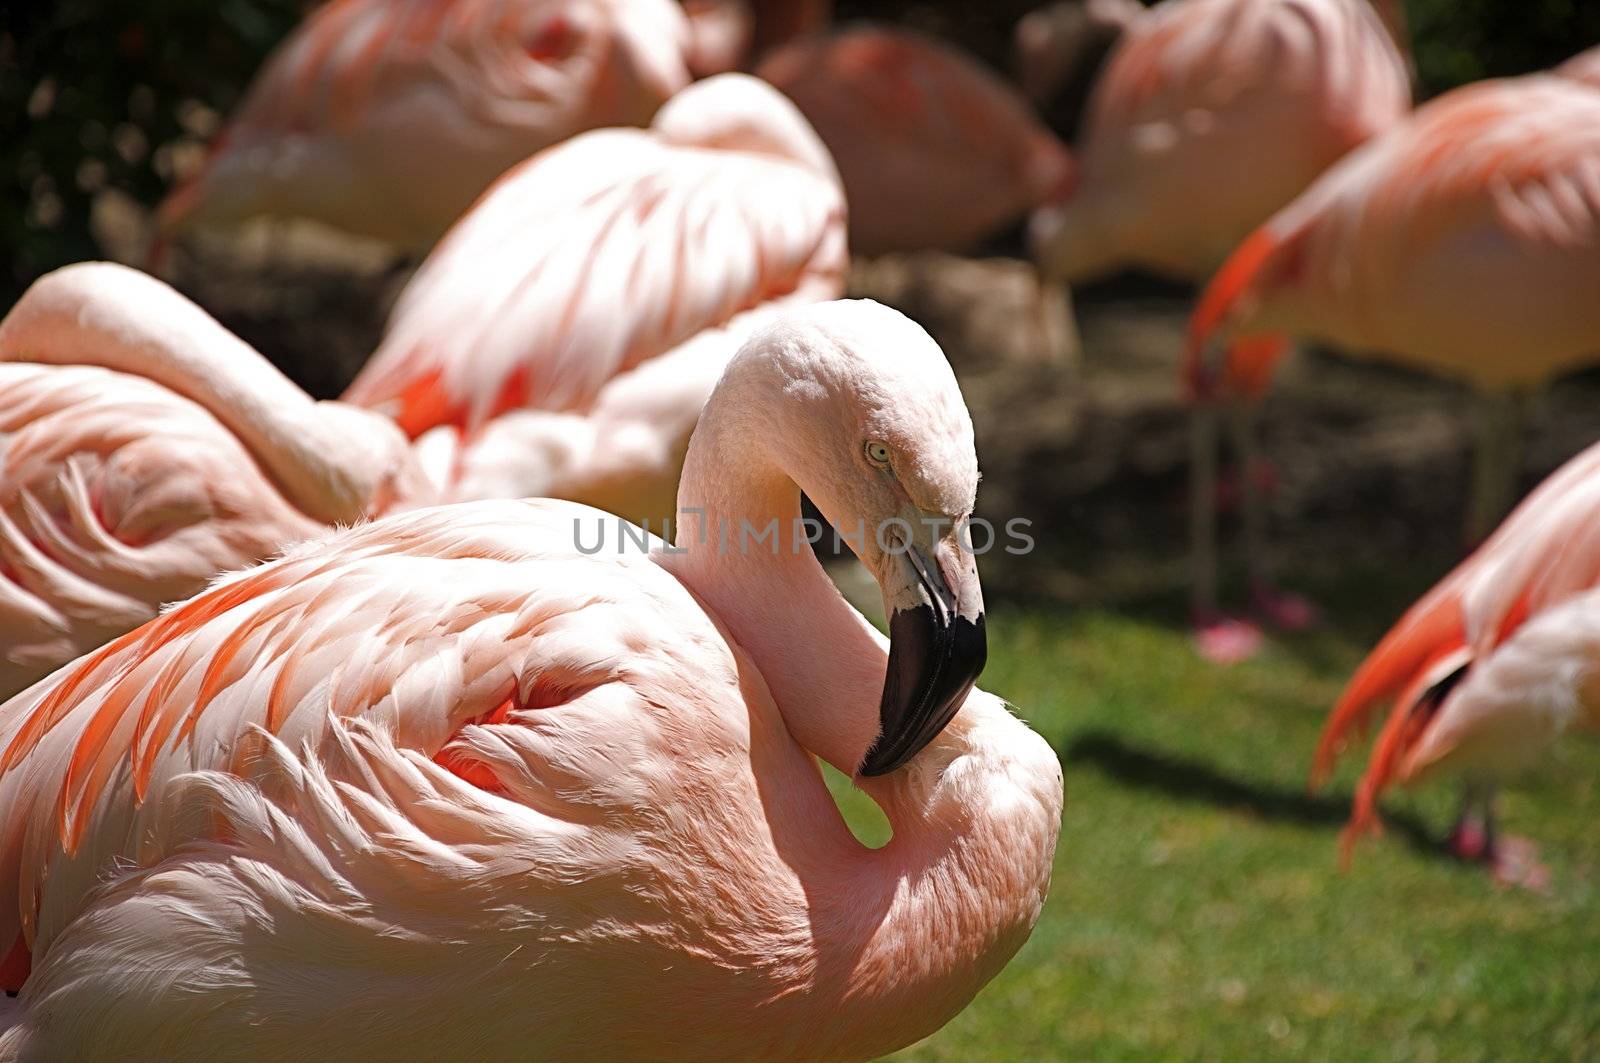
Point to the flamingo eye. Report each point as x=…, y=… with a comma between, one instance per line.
x=877, y=453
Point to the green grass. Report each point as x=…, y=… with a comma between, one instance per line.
x=1197, y=908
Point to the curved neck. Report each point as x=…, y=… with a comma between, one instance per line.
x=99, y=314
x=905, y=935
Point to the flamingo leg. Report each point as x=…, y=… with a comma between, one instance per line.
x=1219, y=638
x=1476, y=838
x=1289, y=612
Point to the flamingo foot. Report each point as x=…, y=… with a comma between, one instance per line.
x=1284, y=611
x=1515, y=862
x=1226, y=640
x=1512, y=861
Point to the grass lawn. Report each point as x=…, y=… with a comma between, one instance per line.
x=1198, y=910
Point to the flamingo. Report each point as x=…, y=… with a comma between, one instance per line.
x=1209, y=116
x=1464, y=242
x=144, y=449
x=1489, y=667
x=387, y=118
x=934, y=151
x=447, y=780
x=599, y=288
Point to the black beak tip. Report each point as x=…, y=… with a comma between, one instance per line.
x=932, y=667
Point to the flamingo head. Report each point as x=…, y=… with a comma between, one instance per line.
x=736, y=112
x=869, y=422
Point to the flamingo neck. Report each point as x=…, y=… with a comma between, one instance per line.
x=905, y=935
x=744, y=554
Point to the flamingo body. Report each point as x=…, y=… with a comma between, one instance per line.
x=445, y=778
x=145, y=449
x=1463, y=242
x=387, y=119
x=1209, y=116
x=934, y=151
x=589, y=263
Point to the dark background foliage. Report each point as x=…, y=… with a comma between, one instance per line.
x=96, y=94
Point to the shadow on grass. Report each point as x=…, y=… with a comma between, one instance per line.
x=1186, y=779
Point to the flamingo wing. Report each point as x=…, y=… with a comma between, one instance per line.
x=417, y=665
x=116, y=496
x=590, y=259
x=1493, y=188
x=1545, y=554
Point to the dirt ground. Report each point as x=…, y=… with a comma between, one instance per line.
x=1080, y=426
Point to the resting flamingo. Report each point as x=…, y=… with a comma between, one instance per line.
x=144, y=449
x=1466, y=242
x=1211, y=115
x=599, y=288
x=387, y=118
x=1489, y=667
x=934, y=150
x=445, y=779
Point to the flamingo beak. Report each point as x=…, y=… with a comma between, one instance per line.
x=937, y=648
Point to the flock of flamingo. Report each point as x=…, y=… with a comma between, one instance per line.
x=322, y=730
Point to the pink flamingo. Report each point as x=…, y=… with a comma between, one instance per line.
x=599, y=288
x=1489, y=667
x=1209, y=116
x=144, y=449
x=934, y=151
x=1463, y=242
x=447, y=779
x=387, y=118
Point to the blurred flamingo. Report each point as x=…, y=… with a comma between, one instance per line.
x=387, y=118
x=603, y=285
x=436, y=780
x=144, y=449
x=1464, y=242
x=1489, y=667
x=934, y=151
x=1211, y=115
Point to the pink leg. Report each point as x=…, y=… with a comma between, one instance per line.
x=1277, y=608
x=1225, y=640
x=1514, y=862
x=1218, y=638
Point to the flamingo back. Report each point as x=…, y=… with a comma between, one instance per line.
x=116, y=496
x=386, y=119
x=587, y=261
x=422, y=742
x=934, y=150
x=1209, y=116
